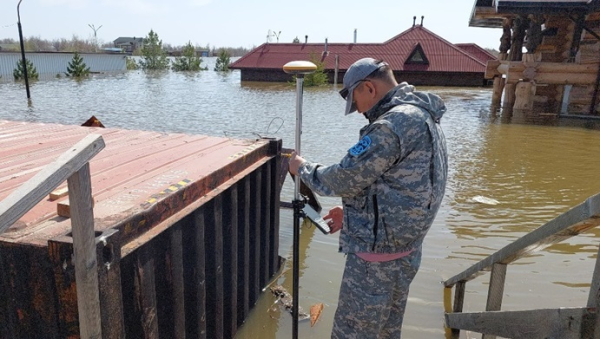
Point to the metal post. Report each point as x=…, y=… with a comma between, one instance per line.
x=299, y=68
x=23, y=51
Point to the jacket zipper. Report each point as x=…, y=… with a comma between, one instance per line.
x=376, y=226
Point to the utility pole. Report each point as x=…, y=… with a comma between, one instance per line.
x=95, y=35
x=23, y=51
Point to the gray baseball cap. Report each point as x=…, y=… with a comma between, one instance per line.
x=355, y=74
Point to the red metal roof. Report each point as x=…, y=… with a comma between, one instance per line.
x=476, y=51
x=143, y=173
x=443, y=56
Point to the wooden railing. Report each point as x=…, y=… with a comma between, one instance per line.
x=561, y=323
x=73, y=166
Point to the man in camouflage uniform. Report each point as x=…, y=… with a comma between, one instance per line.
x=392, y=183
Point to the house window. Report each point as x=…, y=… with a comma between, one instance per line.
x=417, y=56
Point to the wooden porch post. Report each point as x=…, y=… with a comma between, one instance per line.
x=84, y=248
x=495, y=292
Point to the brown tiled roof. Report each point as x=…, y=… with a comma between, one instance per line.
x=442, y=55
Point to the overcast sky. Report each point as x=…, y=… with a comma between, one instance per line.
x=236, y=23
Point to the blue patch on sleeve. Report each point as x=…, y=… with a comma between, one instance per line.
x=361, y=146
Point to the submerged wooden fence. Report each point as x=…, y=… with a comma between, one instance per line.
x=563, y=323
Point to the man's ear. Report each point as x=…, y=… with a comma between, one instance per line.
x=370, y=87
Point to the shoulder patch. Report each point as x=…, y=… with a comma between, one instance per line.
x=361, y=146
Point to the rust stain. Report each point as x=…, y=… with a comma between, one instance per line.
x=20, y=314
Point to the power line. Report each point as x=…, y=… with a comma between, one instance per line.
x=13, y=24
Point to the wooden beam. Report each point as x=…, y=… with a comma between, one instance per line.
x=495, y=292
x=84, y=250
x=576, y=220
x=505, y=67
x=491, y=69
x=524, y=94
x=594, y=298
x=564, y=323
x=553, y=78
x=20, y=201
x=178, y=295
x=58, y=193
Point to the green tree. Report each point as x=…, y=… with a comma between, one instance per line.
x=189, y=61
x=223, y=61
x=18, y=72
x=154, y=56
x=131, y=64
x=318, y=77
x=77, y=67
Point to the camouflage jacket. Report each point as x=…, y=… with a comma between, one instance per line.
x=392, y=181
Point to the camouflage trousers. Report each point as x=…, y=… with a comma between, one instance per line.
x=373, y=297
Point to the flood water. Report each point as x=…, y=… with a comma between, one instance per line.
x=535, y=172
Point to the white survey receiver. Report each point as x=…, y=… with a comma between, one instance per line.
x=316, y=219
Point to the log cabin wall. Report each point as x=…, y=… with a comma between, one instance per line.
x=582, y=96
x=559, y=72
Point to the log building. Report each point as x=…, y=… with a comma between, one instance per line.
x=549, y=55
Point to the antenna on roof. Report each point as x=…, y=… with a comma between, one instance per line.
x=355, y=35
x=422, y=17
x=414, y=20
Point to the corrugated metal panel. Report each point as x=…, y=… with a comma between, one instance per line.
x=443, y=55
x=188, y=233
x=56, y=63
x=476, y=51
x=127, y=175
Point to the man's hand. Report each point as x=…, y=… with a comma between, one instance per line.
x=295, y=162
x=335, y=218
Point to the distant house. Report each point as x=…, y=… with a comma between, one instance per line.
x=416, y=55
x=127, y=44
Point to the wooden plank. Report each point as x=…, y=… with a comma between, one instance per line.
x=505, y=67
x=27, y=306
x=200, y=274
x=244, y=251
x=524, y=94
x=576, y=220
x=61, y=255
x=265, y=227
x=145, y=292
x=564, y=323
x=58, y=193
x=108, y=250
x=593, y=326
x=214, y=269
x=491, y=69
x=255, y=235
x=554, y=78
x=459, y=299
x=275, y=197
x=177, y=297
x=84, y=248
x=63, y=208
x=495, y=292
x=35, y=189
x=230, y=260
